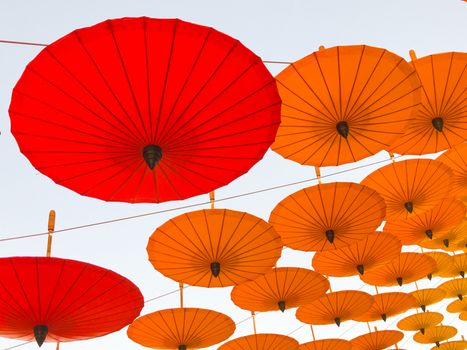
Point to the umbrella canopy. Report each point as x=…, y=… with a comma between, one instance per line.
x=420, y=321
x=343, y=104
x=452, y=345
x=280, y=289
x=377, y=340
x=328, y=216
x=145, y=110
x=457, y=306
x=58, y=300
x=181, y=329
x=214, y=248
x=326, y=344
x=463, y=316
x=435, y=335
x=410, y=187
x=261, y=342
x=431, y=224
x=408, y=267
x=441, y=121
x=456, y=159
x=335, y=307
x=387, y=305
x=455, y=288
x=460, y=264
x=428, y=296
x=454, y=239
x=376, y=250
x=444, y=265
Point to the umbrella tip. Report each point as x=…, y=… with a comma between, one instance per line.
x=40, y=333
x=460, y=296
x=338, y=321
x=429, y=234
x=343, y=128
x=330, y=236
x=384, y=317
x=437, y=343
x=399, y=281
x=152, y=154
x=216, y=268
x=360, y=269
x=281, y=304
x=182, y=347
x=423, y=307
x=446, y=242
x=438, y=123
x=408, y=206
x=429, y=276
x=462, y=273
x=422, y=330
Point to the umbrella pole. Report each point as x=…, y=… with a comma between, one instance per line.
x=254, y=321
x=312, y=332
x=212, y=199
x=368, y=325
x=318, y=174
x=51, y=229
x=58, y=346
x=391, y=155
x=180, y=285
x=376, y=288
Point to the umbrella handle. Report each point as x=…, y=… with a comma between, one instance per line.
x=318, y=174
x=254, y=321
x=51, y=229
x=212, y=199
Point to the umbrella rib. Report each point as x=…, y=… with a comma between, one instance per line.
x=323, y=77
x=148, y=80
x=442, y=102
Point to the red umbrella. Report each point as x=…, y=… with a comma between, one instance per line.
x=145, y=110
x=52, y=299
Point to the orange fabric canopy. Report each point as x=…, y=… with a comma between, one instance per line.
x=428, y=296
x=452, y=345
x=456, y=159
x=435, y=335
x=377, y=340
x=441, y=121
x=214, y=248
x=420, y=321
x=343, y=104
x=410, y=187
x=455, y=288
x=335, y=307
x=408, y=267
x=280, y=289
x=261, y=342
x=444, y=265
x=386, y=305
x=373, y=251
x=326, y=344
x=181, y=328
x=457, y=306
x=328, y=216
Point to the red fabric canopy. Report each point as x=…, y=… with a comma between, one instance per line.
x=73, y=300
x=145, y=110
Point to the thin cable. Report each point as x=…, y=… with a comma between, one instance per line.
x=245, y=194
x=22, y=43
x=17, y=346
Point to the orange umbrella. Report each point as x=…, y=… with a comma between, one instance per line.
x=377, y=249
x=442, y=119
x=326, y=344
x=280, y=289
x=457, y=306
x=444, y=265
x=456, y=159
x=450, y=241
x=452, y=345
x=428, y=296
x=460, y=264
x=261, y=342
x=343, y=104
x=328, y=216
x=430, y=224
x=386, y=305
x=410, y=187
x=335, y=307
x=435, y=335
x=408, y=267
x=181, y=329
x=214, y=248
x=377, y=340
x=455, y=288
x=440, y=243
x=420, y=322
x=463, y=316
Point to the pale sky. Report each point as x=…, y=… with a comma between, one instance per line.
x=275, y=30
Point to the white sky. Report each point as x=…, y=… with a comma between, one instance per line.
x=275, y=30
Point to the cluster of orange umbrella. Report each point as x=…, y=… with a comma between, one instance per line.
x=166, y=109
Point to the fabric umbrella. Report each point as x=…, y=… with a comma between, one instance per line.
x=408, y=267
x=261, y=342
x=460, y=264
x=328, y=216
x=444, y=265
x=455, y=288
x=420, y=322
x=59, y=300
x=335, y=307
x=431, y=224
x=463, y=316
x=145, y=110
x=343, y=104
x=181, y=329
x=441, y=121
x=410, y=187
x=456, y=159
x=377, y=340
x=452, y=345
x=435, y=335
x=428, y=296
x=457, y=306
x=376, y=250
x=326, y=344
x=387, y=305
x=214, y=248
x=280, y=289
x=452, y=240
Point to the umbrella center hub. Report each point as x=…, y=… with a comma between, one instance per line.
x=343, y=128
x=215, y=268
x=281, y=305
x=40, y=333
x=360, y=269
x=330, y=236
x=438, y=123
x=408, y=206
x=182, y=347
x=429, y=233
x=152, y=154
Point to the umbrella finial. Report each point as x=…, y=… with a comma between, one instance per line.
x=408, y=206
x=429, y=234
x=338, y=321
x=360, y=269
x=330, y=236
x=462, y=273
x=423, y=307
x=182, y=347
x=281, y=304
x=399, y=281
x=446, y=242
x=438, y=123
x=384, y=317
x=343, y=128
x=152, y=154
x=429, y=276
x=216, y=268
x=40, y=333
x=460, y=296
x=422, y=330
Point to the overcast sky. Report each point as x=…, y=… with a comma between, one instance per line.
x=275, y=30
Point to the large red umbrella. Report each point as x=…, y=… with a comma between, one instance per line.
x=52, y=299
x=145, y=110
